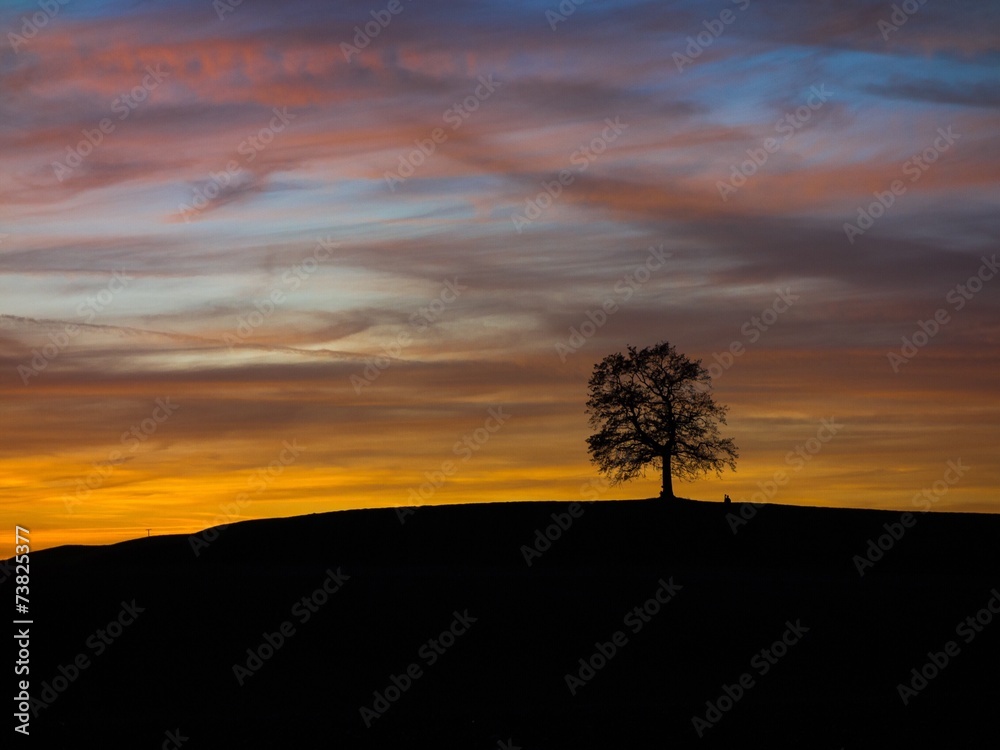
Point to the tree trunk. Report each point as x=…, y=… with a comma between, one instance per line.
x=668, y=486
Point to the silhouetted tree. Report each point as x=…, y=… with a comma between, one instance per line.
x=653, y=406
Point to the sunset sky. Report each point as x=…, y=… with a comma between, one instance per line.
x=237, y=237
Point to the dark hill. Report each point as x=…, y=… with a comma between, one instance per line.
x=519, y=630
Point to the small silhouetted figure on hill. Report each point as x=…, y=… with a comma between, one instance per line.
x=727, y=500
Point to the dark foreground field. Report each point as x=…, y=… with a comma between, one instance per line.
x=769, y=637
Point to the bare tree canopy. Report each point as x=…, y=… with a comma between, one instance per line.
x=654, y=406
